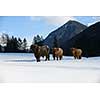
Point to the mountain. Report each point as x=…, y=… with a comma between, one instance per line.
x=64, y=33
x=88, y=40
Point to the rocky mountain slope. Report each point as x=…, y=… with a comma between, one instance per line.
x=88, y=40
x=64, y=33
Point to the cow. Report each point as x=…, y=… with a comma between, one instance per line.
x=77, y=53
x=40, y=51
x=57, y=53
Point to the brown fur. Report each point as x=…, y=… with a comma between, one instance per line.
x=57, y=53
x=40, y=51
x=77, y=53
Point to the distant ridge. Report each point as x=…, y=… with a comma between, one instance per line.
x=88, y=40
x=64, y=33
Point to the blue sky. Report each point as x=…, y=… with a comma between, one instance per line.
x=29, y=26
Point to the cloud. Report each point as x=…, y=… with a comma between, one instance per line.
x=89, y=24
x=95, y=19
x=35, y=18
x=58, y=20
x=53, y=20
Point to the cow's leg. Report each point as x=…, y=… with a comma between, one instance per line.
x=74, y=57
x=38, y=59
x=53, y=57
x=57, y=58
x=60, y=57
x=48, y=57
x=77, y=57
x=80, y=57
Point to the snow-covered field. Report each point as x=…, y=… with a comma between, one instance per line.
x=23, y=68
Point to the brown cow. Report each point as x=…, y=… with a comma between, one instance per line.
x=77, y=53
x=40, y=51
x=58, y=53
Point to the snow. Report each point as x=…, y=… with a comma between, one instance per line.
x=21, y=67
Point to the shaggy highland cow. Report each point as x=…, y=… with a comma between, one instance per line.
x=58, y=53
x=77, y=53
x=40, y=51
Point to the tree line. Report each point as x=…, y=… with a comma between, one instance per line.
x=12, y=44
x=17, y=45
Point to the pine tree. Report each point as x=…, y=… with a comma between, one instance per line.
x=3, y=41
x=20, y=44
x=15, y=44
x=24, y=44
x=0, y=48
x=12, y=45
x=34, y=40
x=37, y=40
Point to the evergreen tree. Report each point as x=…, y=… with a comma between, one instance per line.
x=4, y=38
x=20, y=44
x=15, y=45
x=3, y=41
x=0, y=48
x=12, y=45
x=37, y=40
x=24, y=44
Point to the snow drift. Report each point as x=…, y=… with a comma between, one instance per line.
x=22, y=67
